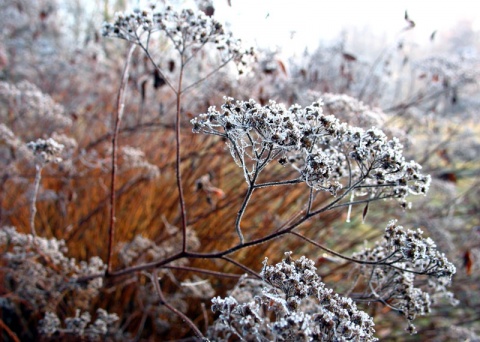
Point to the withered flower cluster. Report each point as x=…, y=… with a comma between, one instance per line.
x=329, y=154
x=187, y=30
x=406, y=272
x=303, y=309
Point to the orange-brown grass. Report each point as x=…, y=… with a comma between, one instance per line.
x=145, y=205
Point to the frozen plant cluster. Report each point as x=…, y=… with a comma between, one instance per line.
x=134, y=158
x=406, y=272
x=12, y=149
x=142, y=249
x=186, y=30
x=294, y=305
x=459, y=333
x=46, y=151
x=31, y=107
x=329, y=154
x=79, y=326
x=449, y=71
x=41, y=273
x=347, y=108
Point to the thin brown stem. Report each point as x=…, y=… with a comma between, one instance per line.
x=330, y=251
x=243, y=267
x=181, y=198
x=203, y=271
x=180, y=314
x=8, y=331
x=118, y=120
x=211, y=73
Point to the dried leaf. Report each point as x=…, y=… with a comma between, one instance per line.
x=203, y=183
x=43, y=15
x=448, y=176
x=443, y=154
x=468, y=262
x=158, y=80
x=143, y=90
x=171, y=65
x=282, y=67
x=349, y=57
x=365, y=212
x=209, y=10
x=454, y=98
x=411, y=23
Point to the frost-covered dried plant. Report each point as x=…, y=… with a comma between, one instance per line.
x=33, y=110
x=46, y=151
x=347, y=108
x=336, y=68
x=458, y=333
x=187, y=292
x=142, y=249
x=446, y=71
x=186, y=30
x=27, y=112
x=189, y=32
x=293, y=305
x=12, y=150
x=328, y=154
x=134, y=158
x=41, y=273
x=406, y=272
x=79, y=326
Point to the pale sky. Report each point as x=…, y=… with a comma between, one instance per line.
x=295, y=23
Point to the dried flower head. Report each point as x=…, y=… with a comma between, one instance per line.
x=43, y=281
x=46, y=151
x=80, y=325
x=33, y=109
x=134, y=158
x=304, y=310
x=396, y=267
x=187, y=30
x=328, y=154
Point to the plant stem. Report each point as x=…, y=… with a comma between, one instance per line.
x=192, y=325
x=181, y=198
x=33, y=204
x=118, y=119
